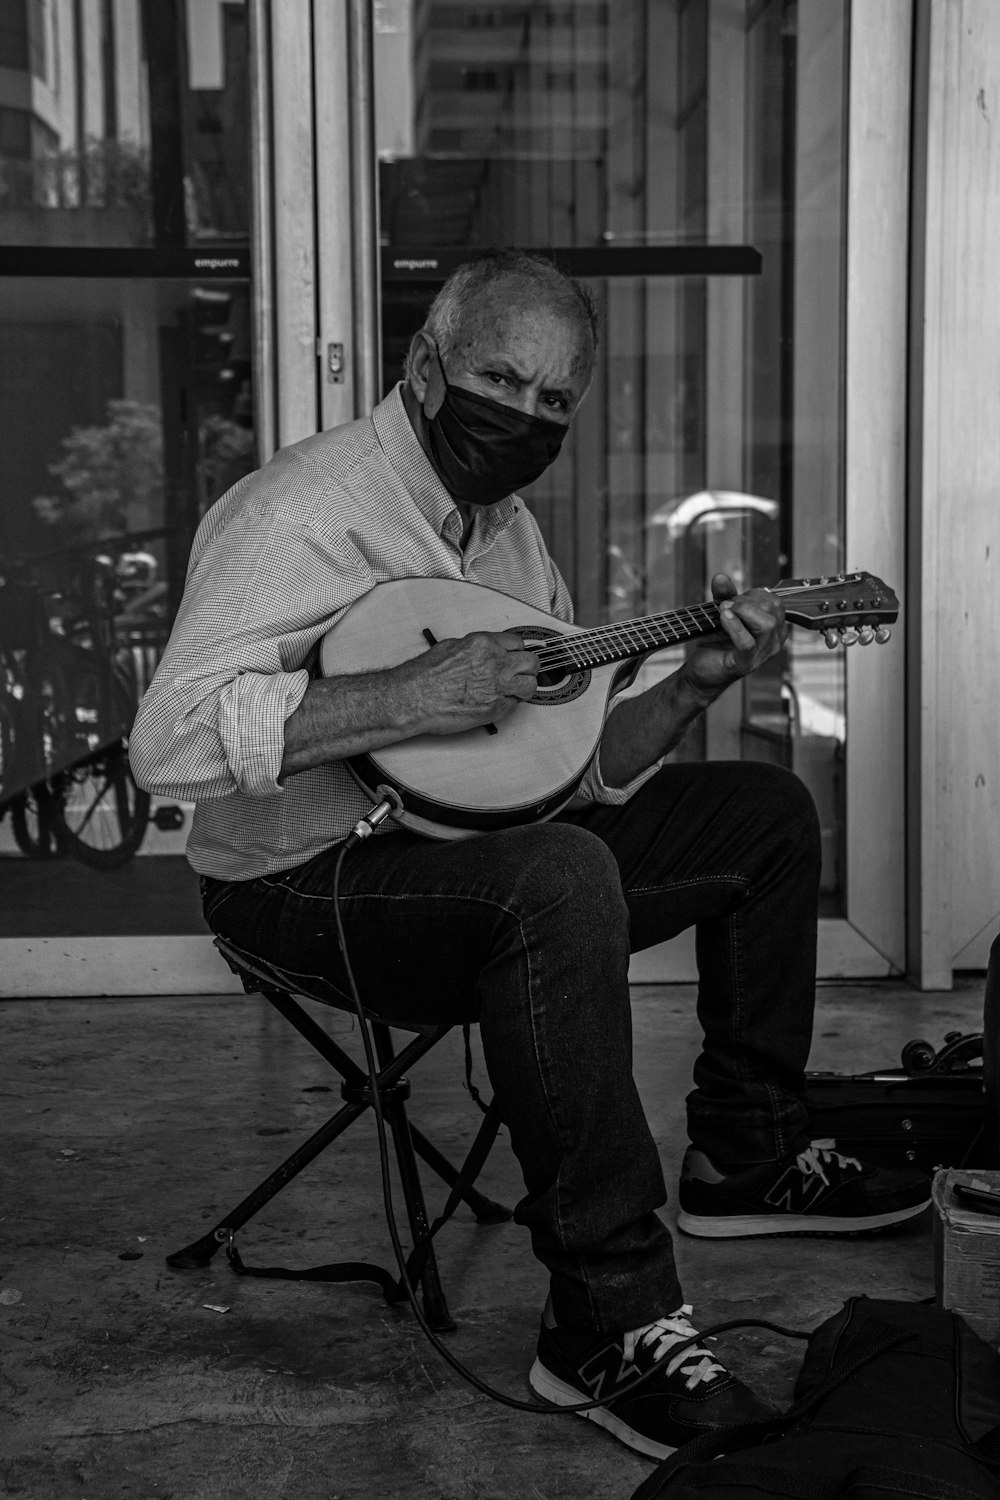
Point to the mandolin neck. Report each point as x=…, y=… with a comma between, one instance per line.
x=629, y=639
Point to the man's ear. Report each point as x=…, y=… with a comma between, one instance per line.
x=426, y=374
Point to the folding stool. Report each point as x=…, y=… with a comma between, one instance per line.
x=280, y=988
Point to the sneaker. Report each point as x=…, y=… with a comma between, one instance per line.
x=690, y=1393
x=817, y=1192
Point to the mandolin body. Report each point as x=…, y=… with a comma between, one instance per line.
x=521, y=770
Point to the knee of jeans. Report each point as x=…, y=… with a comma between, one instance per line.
x=787, y=800
x=563, y=864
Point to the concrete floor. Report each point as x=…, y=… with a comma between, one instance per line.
x=131, y=1125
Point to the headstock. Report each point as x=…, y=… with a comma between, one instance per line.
x=846, y=607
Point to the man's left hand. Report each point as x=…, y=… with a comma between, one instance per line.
x=753, y=629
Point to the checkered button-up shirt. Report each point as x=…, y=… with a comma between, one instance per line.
x=274, y=564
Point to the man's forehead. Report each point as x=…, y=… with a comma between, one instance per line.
x=507, y=303
x=501, y=320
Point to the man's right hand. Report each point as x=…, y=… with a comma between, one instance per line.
x=456, y=685
x=477, y=679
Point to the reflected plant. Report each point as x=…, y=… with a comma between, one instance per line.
x=227, y=453
x=104, y=471
x=103, y=174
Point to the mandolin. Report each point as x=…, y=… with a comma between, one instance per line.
x=529, y=765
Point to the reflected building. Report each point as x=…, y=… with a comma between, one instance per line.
x=635, y=143
x=125, y=388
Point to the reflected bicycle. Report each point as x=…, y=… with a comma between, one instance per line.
x=67, y=699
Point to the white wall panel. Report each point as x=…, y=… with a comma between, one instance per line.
x=954, y=708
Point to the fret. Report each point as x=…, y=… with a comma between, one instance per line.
x=629, y=638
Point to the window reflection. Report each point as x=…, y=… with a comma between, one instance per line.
x=568, y=124
x=131, y=411
x=120, y=126
x=126, y=408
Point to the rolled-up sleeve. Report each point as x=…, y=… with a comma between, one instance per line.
x=252, y=714
x=200, y=744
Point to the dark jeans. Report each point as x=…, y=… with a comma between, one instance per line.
x=528, y=932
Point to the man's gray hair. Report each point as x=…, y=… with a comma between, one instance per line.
x=564, y=294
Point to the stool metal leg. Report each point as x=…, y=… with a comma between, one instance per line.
x=486, y=1210
x=317, y=1038
x=200, y=1252
x=435, y=1305
x=393, y=1091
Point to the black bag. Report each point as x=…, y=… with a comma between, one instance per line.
x=893, y=1399
x=926, y=1114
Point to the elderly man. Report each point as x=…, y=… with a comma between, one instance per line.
x=527, y=930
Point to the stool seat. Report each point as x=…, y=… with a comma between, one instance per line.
x=253, y=972
x=283, y=988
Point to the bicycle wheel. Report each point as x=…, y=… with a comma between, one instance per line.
x=32, y=819
x=101, y=815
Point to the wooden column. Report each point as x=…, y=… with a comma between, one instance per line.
x=953, y=719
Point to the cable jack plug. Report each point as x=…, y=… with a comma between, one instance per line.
x=391, y=802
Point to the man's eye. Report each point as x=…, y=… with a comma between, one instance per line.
x=496, y=378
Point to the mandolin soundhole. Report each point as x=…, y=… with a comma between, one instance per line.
x=560, y=684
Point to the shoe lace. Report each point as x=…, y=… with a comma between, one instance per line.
x=657, y=1339
x=818, y=1155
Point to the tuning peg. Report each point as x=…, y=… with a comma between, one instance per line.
x=849, y=635
x=866, y=635
x=832, y=638
x=882, y=634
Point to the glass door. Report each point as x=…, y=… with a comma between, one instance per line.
x=126, y=408
x=688, y=159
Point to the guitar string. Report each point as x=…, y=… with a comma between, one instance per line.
x=653, y=631
x=604, y=642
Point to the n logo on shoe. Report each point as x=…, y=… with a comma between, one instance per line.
x=607, y=1365
x=794, y=1190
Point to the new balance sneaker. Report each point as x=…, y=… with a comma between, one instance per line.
x=689, y=1393
x=819, y=1191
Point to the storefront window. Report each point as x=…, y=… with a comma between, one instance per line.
x=126, y=408
x=685, y=157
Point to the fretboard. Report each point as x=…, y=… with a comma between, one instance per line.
x=629, y=638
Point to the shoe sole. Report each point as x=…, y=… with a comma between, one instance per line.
x=558, y=1393
x=745, y=1226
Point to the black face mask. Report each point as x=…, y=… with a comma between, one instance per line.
x=484, y=450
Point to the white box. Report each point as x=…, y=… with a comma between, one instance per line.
x=967, y=1253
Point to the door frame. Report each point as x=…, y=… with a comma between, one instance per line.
x=870, y=941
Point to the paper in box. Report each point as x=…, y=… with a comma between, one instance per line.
x=967, y=1253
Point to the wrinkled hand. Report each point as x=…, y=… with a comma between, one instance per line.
x=476, y=680
x=753, y=630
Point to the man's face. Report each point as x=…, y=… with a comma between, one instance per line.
x=526, y=356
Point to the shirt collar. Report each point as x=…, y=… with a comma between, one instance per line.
x=401, y=447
